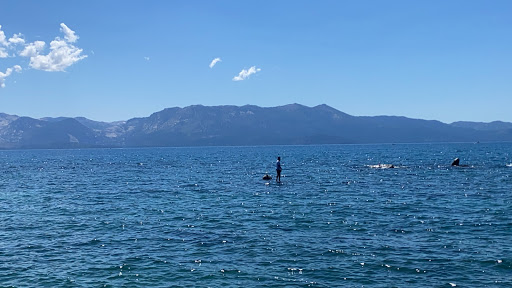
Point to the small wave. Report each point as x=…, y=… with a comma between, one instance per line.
x=509, y=165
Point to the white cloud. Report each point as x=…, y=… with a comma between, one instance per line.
x=3, y=53
x=214, y=61
x=61, y=56
x=146, y=58
x=33, y=49
x=3, y=42
x=8, y=73
x=16, y=39
x=244, y=74
x=69, y=34
x=62, y=53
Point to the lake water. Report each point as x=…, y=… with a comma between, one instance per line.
x=202, y=217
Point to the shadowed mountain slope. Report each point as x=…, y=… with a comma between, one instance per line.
x=234, y=125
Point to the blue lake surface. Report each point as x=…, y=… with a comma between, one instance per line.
x=202, y=217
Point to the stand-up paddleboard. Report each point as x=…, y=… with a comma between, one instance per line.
x=274, y=183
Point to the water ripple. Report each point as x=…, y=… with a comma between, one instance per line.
x=165, y=217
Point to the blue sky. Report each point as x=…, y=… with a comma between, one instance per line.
x=114, y=60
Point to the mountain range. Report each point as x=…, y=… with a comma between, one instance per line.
x=199, y=125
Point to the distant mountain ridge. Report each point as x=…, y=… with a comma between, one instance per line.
x=198, y=125
x=492, y=126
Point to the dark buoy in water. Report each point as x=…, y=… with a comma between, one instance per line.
x=267, y=177
x=455, y=162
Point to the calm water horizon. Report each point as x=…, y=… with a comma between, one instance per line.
x=203, y=217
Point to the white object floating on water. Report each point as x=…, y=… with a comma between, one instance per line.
x=509, y=165
x=382, y=166
x=453, y=284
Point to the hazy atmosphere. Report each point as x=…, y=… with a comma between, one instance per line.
x=115, y=60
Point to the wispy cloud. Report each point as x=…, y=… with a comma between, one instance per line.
x=244, y=74
x=8, y=72
x=69, y=34
x=146, y=58
x=214, y=61
x=62, y=52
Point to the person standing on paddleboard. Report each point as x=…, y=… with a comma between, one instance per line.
x=278, y=169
